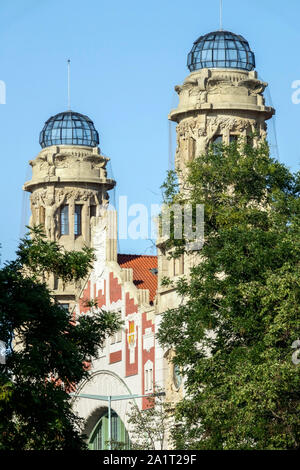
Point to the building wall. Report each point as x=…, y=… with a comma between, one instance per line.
x=126, y=364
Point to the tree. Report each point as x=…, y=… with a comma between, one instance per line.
x=149, y=428
x=233, y=334
x=48, y=349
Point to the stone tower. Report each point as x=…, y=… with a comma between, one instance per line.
x=69, y=186
x=220, y=100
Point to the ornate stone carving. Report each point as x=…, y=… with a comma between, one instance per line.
x=202, y=129
x=255, y=87
x=230, y=123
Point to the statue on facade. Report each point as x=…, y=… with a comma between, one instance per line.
x=51, y=220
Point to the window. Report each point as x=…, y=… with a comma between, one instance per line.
x=64, y=220
x=148, y=377
x=77, y=220
x=218, y=139
x=99, y=439
x=177, y=378
x=42, y=215
x=56, y=282
x=178, y=265
x=249, y=140
x=115, y=427
x=233, y=138
x=93, y=211
x=65, y=306
x=116, y=337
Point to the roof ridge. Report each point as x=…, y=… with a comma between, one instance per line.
x=129, y=254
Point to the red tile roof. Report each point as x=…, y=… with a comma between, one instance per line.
x=143, y=278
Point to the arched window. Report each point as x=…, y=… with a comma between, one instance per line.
x=148, y=377
x=99, y=439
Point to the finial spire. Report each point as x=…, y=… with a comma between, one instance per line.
x=221, y=15
x=69, y=94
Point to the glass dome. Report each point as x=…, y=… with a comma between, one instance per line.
x=69, y=128
x=221, y=49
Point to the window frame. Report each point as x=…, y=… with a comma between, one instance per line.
x=78, y=220
x=64, y=224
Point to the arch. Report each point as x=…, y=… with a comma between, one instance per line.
x=101, y=382
x=102, y=372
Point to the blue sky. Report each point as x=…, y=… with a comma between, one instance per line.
x=126, y=59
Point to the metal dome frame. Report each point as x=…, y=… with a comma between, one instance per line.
x=221, y=49
x=69, y=128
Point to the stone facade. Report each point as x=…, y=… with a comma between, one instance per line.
x=74, y=178
x=218, y=102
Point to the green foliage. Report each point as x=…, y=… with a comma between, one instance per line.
x=170, y=187
x=234, y=331
x=48, y=349
x=41, y=257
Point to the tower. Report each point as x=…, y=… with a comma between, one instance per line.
x=69, y=186
x=220, y=100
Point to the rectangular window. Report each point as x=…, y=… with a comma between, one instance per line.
x=148, y=377
x=65, y=306
x=178, y=265
x=249, y=140
x=150, y=380
x=77, y=220
x=233, y=138
x=55, y=282
x=218, y=139
x=64, y=220
x=119, y=336
x=116, y=337
x=115, y=427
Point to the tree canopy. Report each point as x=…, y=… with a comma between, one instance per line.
x=150, y=427
x=234, y=331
